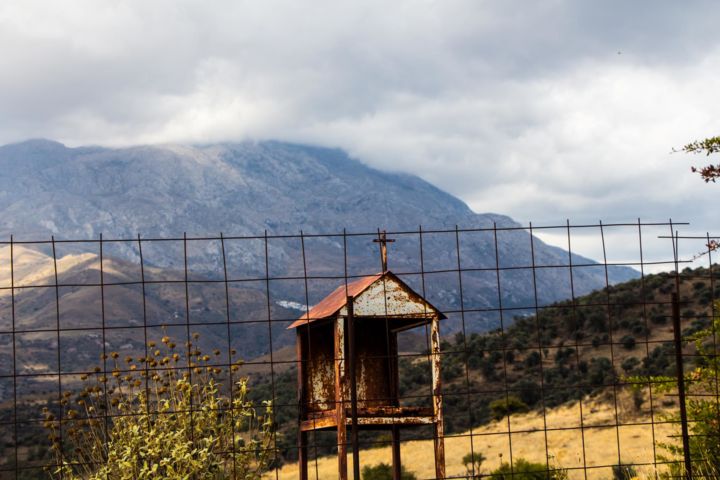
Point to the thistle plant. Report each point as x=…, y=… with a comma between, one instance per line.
x=163, y=415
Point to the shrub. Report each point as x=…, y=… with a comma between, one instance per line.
x=532, y=359
x=451, y=370
x=157, y=417
x=473, y=462
x=639, y=329
x=658, y=362
x=638, y=396
x=525, y=470
x=623, y=472
x=510, y=357
x=528, y=391
x=383, y=471
x=601, y=372
x=507, y=406
x=563, y=354
x=583, y=366
x=628, y=342
x=630, y=363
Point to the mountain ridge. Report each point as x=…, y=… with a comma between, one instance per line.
x=247, y=189
x=313, y=168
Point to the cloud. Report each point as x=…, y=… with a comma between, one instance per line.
x=540, y=110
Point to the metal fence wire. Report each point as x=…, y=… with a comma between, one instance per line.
x=455, y=353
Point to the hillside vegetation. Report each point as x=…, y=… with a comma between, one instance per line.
x=568, y=352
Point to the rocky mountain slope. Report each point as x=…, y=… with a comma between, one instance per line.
x=241, y=189
x=122, y=316
x=249, y=188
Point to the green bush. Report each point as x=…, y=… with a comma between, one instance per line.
x=628, y=342
x=703, y=410
x=524, y=470
x=528, y=391
x=507, y=406
x=630, y=363
x=601, y=372
x=383, y=471
x=160, y=417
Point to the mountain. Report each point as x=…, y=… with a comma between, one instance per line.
x=241, y=189
x=250, y=188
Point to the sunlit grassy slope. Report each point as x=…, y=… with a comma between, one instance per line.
x=569, y=446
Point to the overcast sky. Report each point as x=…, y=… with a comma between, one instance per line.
x=542, y=110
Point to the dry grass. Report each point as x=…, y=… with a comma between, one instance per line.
x=564, y=440
x=32, y=267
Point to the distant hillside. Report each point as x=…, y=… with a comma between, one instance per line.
x=78, y=311
x=249, y=188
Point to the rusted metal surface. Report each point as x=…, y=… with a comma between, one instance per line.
x=353, y=388
x=438, y=437
x=319, y=379
x=394, y=368
x=340, y=381
x=330, y=422
x=319, y=423
x=370, y=301
x=383, y=241
x=393, y=411
x=350, y=377
x=300, y=339
x=330, y=305
x=389, y=297
x=378, y=412
x=396, y=461
x=373, y=388
x=370, y=421
x=302, y=434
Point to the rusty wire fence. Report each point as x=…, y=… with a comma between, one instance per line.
x=458, y=353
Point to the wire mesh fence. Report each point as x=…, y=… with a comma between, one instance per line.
x=457, y=353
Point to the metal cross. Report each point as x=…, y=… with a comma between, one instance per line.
x=383, y=241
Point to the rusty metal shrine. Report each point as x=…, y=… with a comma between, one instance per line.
x=347, y=354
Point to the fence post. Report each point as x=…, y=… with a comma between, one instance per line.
x=681, y=385
x=353, y=387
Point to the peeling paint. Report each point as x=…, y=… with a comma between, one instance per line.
x=384, y=305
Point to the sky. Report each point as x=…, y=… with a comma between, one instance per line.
x=544, y=111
